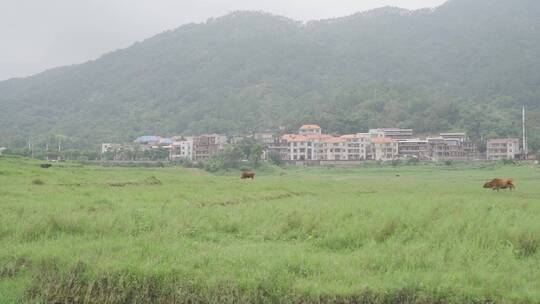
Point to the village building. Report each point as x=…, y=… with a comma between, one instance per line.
x=459, y=145
x=280, y=146
x=414, y=148
x=301, y=147
x=393, y=133
x=333, y=148
x=357, y=146
x=498, y=149
x=385, y=149
x=182, y=149
x=205, y=146
x=438, y=147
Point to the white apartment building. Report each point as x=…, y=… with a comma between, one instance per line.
x=357, y=146
x=302, y=148
x=334, y=148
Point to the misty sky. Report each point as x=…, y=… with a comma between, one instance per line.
x=39, y=34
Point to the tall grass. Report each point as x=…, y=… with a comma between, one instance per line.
x=320, y=235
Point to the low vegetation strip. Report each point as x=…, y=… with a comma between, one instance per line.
x=316, y=235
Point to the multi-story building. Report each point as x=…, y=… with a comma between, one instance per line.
x=416, y=148
x=507, y=148
x=439, y=148
x=207, y=145
x=301, y=147
x=357, y=146
x=281, y=147
x=333, y=148
x=459, y=145
x=182, y=149
x=393, y=133
x=385, y=149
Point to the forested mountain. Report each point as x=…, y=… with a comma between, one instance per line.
x=467, y=65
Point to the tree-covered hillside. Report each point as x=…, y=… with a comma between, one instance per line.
x=468, y=65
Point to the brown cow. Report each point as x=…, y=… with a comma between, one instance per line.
x=248, y=174
x=497, y=184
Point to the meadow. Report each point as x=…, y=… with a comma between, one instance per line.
x=405, y=234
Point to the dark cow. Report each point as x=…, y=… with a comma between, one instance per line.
x=247, y=174
x=45, y=166
x=497, y=184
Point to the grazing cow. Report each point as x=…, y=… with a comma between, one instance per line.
x=45, y=166
x=248, y=174
x=497, y=184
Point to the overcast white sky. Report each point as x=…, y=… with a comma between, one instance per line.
x=39, y=34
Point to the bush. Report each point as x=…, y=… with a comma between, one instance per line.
x=38, y=182
x=448, y=162
x=396, y=162
x=507, y=162
x=413, y=161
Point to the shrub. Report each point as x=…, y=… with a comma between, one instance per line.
x=396, y=162
x=38, y=182
x=507, y=162
x=413, y=161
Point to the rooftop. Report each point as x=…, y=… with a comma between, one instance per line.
x=309, y=127
x=502, y=140
x=382, y=140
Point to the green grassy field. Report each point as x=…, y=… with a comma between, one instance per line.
x=321, y=235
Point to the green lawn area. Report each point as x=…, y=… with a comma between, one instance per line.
x=82, y=234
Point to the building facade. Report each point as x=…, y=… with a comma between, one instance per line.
x=385, y=149
x=205, y=146
x=182, y=149
x=498, y=149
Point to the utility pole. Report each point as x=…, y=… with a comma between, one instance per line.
x=525, y=148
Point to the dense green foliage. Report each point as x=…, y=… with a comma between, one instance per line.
x=468, y=65
x=115, y=235
x=245, y=154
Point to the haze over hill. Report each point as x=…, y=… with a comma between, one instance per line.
x=468, y=65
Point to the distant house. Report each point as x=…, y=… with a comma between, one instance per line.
x=2, y=149
x=505, y=148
